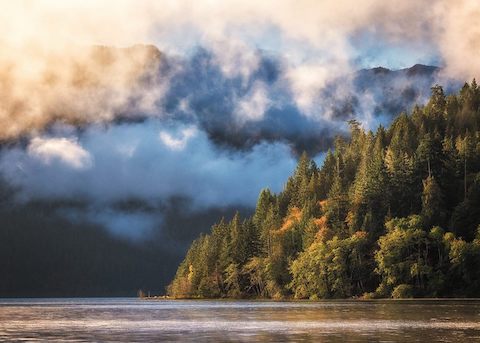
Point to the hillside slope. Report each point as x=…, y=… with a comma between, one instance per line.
x=391, y=213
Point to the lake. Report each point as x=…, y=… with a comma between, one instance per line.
x=135, y=320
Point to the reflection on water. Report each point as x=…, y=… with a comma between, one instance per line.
x=128, y=320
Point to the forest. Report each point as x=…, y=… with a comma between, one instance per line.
x=393, y=213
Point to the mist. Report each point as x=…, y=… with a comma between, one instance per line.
x=147, y=161
x=132, y=118
x=57, y=70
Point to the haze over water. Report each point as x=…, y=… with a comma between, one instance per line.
x=134, y=320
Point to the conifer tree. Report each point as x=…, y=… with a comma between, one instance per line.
x=404, y=202
x=433, y=212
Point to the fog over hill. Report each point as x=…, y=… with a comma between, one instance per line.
x=128, y=127
x=139, y=147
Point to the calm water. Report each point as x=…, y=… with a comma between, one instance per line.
x=133, y=320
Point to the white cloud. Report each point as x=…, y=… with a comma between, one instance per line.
x=48, y=73
x=253, y=106
x=64, y=150
x=235, y=58
x=306, y=81
x=458, y=37
x=134, y=225
x=154, y=172
x=177, y=141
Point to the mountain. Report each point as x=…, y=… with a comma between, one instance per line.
x=382, y=93
x=109, y=85
x=47, y=251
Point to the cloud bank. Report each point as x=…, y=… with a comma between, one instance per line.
x=49, y=70
x=208, y=100
x=148, y=161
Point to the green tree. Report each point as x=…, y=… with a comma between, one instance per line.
x=401, y=257
x=331, y=227
x=433, y=211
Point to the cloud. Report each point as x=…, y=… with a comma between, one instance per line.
x=49, y=72
x=64, y=150
x=307, y=81
x=254, y=104
x=235, y=90
x=89, y=85
x=154, y=171
x=235, y=57
x=155, y=118
x=458, y=37
x=134, y=225
x=177, y=141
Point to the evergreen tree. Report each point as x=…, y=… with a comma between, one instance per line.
x=404, y=202
x=433, y=212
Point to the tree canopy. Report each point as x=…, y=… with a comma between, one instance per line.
x=390, y=213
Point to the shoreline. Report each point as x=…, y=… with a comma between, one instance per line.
x=307, y=300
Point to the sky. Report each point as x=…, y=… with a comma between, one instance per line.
x=210, y=101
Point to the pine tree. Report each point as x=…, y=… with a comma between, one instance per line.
x=327, y=174
x=433, y=211
x=265, y=201
x=393, y=192
x=337, y=204
x=238, y=245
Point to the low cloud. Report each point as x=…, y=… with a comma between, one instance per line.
x=154, y=169
x=177, y=140
x=63, y=150
x=254, y=104
x=93, y=110
x=135, y=225
x=50, y=72
x=149, y=164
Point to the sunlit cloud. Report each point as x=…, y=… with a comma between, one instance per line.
x=49, y=72
x=64, y=150
x=177, y=141
x=253, y=106
x=186, y=164
x=182, y=98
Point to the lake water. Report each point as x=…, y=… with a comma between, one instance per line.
x=134, y=320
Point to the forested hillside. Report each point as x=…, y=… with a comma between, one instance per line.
x=391, y=213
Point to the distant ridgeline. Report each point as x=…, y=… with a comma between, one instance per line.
x=394, y=213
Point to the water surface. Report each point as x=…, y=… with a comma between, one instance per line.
x=134, y=320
